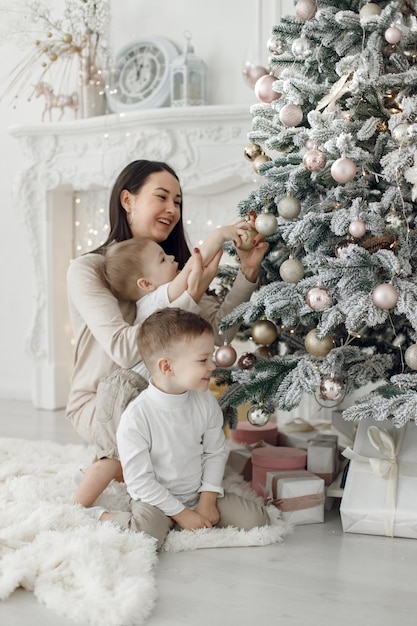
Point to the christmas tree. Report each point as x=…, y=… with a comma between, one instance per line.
x=334, y=138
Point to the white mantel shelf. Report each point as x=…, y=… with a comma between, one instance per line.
x=203, y=144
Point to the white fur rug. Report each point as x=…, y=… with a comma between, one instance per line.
x=82, y=569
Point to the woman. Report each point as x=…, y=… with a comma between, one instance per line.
x=146, y=201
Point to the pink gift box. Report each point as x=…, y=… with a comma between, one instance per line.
x=274, y=459
x=245, y=433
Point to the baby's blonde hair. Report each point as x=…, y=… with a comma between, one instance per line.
x=124, y=263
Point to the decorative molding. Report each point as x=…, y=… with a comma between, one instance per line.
x=203, y=144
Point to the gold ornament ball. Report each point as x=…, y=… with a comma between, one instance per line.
x=252, y=151
x=410, y=356
x=260, y=160
x=53, y=56
x=332, y=388
x=291, y=271
x=67, y=38
x=316, y=346
x=264, y=332
x=247, y=238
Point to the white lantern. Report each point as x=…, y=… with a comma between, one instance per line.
x=188, y=78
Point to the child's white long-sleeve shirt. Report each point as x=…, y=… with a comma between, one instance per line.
x=172, y=447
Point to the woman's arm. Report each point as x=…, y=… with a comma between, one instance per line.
x=94, y=309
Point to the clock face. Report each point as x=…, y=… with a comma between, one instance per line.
x=142, y=75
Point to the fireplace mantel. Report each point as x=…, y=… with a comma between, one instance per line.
x=203, y=144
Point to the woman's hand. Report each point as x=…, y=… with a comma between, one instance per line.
x=201, y=276
x=250, y=260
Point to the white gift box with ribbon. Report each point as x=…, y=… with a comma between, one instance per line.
x=380, y=494
x=298, y=494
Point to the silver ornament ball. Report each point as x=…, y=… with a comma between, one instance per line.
x=332, y=388
x=302, y=48
x=401, y=135
x=258, y=415
x=252, y=151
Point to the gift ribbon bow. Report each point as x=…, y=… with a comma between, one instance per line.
x=299, y=425
x=386, y=466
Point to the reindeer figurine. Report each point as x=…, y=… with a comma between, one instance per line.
x=53, y=101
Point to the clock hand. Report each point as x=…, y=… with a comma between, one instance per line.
x=138, y=69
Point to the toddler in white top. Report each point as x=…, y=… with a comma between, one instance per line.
x=170, y=438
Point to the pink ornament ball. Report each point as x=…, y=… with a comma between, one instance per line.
x=319, y=299
x=343, y=170
x=225, y=356
x=264, y=91
x=393, y=35
x=314, y=160
x=385, y=296
x=357, y=229
x=305, y=9
x=291, y=115
x=253, y=73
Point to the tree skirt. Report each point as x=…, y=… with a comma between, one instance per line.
x=80, y=568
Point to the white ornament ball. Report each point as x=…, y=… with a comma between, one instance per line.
x=264, y=91
x=393, y=35
x=258, y=415
x=385, y=296
x=318, y=347
x=369, y=10
x=291, y=271
x=319, y=299
x=301, y=48
x=343, y=170
x=266, y=224
x=332, y=388
x=401, y=135
x=305, y=9
x=289, y=207
x=225, y=356
x=314, y=160
x=291, y=115
x=410, y=356
x=357, y=229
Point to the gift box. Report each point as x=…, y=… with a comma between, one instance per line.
x=323, y=457
x=240, y=459
x=379, y=497
x=299, y=495
x=246, y=433
x=271, y=458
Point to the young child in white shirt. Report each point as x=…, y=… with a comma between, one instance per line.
x=139, y=270
x=170, y=438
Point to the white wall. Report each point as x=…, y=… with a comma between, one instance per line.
x=224, y=33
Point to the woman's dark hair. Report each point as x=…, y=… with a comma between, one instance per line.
x=132, y=178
